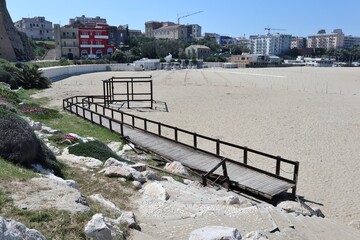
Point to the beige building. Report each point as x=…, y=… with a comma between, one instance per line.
x=66, y=42
x=171, y=32
x=198, y=51
x=241, y=60
x=298, y=42
x=36, y=28
x=326, y=40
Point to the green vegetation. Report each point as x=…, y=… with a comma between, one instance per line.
x=10, y=171
x=22, y=75
x=95, y=149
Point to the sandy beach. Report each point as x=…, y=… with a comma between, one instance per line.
x=310, y=115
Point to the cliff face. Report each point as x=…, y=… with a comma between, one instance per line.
x=20, y=44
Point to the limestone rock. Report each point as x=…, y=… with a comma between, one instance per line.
x=106, y=203
x=49, y=130
x=295, y=207
x=100, y=229
x=139, y=167
x=128, y=218
x=232, y=200
x=123, y=171
x=115, y=146
x=136, y=184
x=177, y=168
x=72, y=183
x=152, y=176
x=113, y=162
x=156, y=190
x=53, y=149
x=87, y=162
x=255, y=235
x=12, y=230
x=46, y=193
x=215, y=233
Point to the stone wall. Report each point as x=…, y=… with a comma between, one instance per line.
x=20, y=43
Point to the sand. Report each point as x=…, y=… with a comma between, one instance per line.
x=310, y=115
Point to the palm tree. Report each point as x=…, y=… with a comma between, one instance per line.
x=31, y=77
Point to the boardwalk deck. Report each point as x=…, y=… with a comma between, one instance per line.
x=240, y=175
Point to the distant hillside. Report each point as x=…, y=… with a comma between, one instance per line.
x=14, y=44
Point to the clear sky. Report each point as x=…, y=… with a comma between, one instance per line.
x=231, y=17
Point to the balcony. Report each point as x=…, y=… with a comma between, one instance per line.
x=101, y=37
x=91, y=46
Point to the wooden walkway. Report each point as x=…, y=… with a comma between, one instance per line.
x=240, y=175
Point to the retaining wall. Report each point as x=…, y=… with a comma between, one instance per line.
x=59, y=72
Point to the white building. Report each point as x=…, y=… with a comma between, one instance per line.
x=351, y=41
x=36, y=28
x=270, y=44
x=87, y=20
x=326, y=40
x=298, y=42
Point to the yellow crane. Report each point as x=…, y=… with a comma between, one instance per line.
x=190, y=14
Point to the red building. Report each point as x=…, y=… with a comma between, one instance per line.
x=93, y=41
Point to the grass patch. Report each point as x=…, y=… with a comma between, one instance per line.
x=94, y=149
x=10, y=171
x=70, y=123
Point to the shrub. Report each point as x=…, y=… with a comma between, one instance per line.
x=95, y=149
x=31, y=77
x=19, y=144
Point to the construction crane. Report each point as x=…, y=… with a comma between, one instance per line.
x=269, y=29
x=190, y=14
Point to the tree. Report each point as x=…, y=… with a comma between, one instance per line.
x=31, y=77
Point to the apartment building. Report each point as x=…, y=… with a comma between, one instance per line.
x=298, y=42
x=270, y=44
x=88, y=20
x=66, y=42
x=94, y=41
x=335, y=39
x=351, y=41
x=36, y=28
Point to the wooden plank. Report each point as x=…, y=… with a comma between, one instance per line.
x=246, y=178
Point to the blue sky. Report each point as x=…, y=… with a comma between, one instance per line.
x=232, y=17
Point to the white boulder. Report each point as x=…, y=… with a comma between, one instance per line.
x=99, y=229
x=177, y=168
x=156, y=190
x=255, y=235
x=12, y=230
x=128, y=218
x=104, y=202
x=215, y=233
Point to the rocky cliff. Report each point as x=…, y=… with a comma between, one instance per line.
x=13, y=42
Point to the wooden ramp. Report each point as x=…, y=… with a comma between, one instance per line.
x=240, y=175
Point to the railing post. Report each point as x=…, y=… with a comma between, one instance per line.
x=195, y=140
x=83, y=110
x=296, y=174
x=245, y=155
x=77, y=112
x=278, y=162
x=218, y=147
x=159, y=129
x=176, y=134
x=96, y=108
x=122, y=129
x=145, y=125
x=112, y=113
x=133, y=120
x=91, y=117
x=103, y=110
x=100, y=120
x=110, y=124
